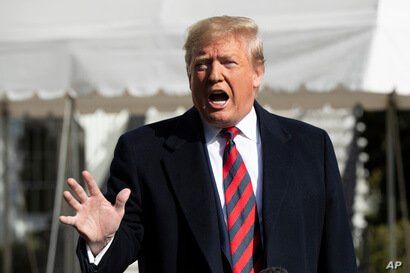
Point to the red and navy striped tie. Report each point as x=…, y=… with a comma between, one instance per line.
x=242, y=214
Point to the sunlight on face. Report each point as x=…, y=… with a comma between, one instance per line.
x=224, y=81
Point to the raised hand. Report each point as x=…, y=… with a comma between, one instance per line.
x=96, y=219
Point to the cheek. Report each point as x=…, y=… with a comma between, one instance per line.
x=244, y=99
x=197, y=82
x=198, y=94
x=243, y=88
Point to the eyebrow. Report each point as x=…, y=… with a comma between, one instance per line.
x=207, y=58
x=201, y=58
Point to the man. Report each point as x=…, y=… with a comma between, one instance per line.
x=226, y=187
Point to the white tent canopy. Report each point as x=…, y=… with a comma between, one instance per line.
x=135, y=47
x=128, y=54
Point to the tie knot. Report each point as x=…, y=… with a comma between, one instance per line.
x=230, y=133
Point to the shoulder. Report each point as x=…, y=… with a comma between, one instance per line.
x=299, y=128
x=290, y=126
x=155, y=134
x=151, y=131
x=150, y=134
x=305, y=135
x=307, y=139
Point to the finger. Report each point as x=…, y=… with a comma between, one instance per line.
x=91, y=184
x=72, y=201
x=68, y=220
x=121, y=199
x=79, y=191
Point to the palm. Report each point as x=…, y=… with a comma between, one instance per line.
x=96, y=218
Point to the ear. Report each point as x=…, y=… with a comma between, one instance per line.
x=188, y=73
x=259, y=72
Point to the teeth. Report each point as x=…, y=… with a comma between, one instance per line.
x=220, y=102
x=219, y=98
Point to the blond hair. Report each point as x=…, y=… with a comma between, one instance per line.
x=212, y=28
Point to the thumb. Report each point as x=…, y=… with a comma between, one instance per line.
x=121, y=199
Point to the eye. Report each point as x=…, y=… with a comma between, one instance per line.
x=201, y=66
x=229, y=63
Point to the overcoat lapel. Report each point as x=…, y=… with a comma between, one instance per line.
x=277, y=153
x=190, y=180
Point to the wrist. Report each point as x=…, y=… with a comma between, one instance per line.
x=97, y=247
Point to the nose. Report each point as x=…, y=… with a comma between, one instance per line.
x=215, y=75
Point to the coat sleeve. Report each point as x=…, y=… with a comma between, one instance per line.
x=126, y=245
x=336, y=252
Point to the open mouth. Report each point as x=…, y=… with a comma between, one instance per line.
x=218, y=98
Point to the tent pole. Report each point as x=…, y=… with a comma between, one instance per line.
x=62, y=165
x=402, y=185
x=391, y=200
x=70, y=235
x=7, y=254
x=76, y=171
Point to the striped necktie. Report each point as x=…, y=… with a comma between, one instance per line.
x=242, y=214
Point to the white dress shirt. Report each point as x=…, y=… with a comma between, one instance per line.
x=248, y=143
x=96, y=259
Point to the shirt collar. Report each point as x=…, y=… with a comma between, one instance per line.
x=248, y=127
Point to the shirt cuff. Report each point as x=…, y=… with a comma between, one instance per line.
x=96, y=260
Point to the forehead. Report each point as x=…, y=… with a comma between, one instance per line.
x=222, y=46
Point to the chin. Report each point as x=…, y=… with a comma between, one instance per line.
x=220, y=121
x=218, y=118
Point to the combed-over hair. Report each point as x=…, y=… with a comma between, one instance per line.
x=216, y=27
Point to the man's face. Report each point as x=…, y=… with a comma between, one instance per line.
x=224, y=81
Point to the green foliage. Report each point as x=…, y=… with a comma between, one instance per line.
x=378, y=237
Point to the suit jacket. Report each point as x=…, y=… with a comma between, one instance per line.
x=171, y=222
